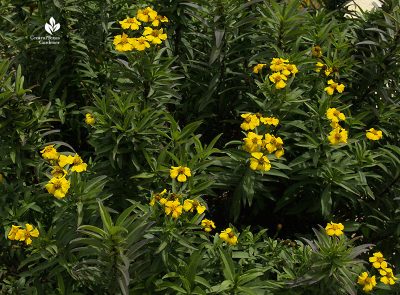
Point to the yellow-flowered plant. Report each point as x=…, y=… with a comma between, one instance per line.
x=335, y=115
x=58, y=172
x=76, y=161
x=253, y=142
x=173, y=208
x=388, y=277
x=259, y=161
x=258, y=67
x=278, y=64
x=146, y=15
x=282, y=70
x=366, y=281
x=58, y=187
x=273, y=144
x=333, y=86
x=193, y=205
x=158, y=20
x=123, y=43
x=208, y=225
x=50, y=153
x=130, y=23
x=373, y=134
x=278, y=79
x=89, y=119
x=323, y=67
x=338, y=135
x=181, y=173
x=251, y=121
x=154, y=36
x=158, y=197
x=378, y=261
x=269, y=121
x=229, y=236
x=334, y=229
x=23, y=235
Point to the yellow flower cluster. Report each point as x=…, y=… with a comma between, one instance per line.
x=338, y=134
x=150, y=35
x=59, y=185
x=282, y=71
x=320, y=67
x=332, y=86
x=366, y=281
x=89, y=119
x=323, y=68
x=228, y=235
x=181, y=173
x=334, y=229
x=260, y=145
x=373, y=134
x=17, y=233
x=258, y=67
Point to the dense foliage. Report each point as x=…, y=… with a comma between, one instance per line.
x=199, y=147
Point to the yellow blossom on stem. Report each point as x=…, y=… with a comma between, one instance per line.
x=251, y=121
x=278, y=64
x=76, y=161
x=387, y=276
x=378, y=261
x=328, y=71
x=13, y=231
x=334, y=86
x=140, y=43
x=269, y=121
x=154, y=36
x=290, y=69
x=253, y=142
x=180, y=173
x=159, y=19
x=130, y=23
x=335, y=115
x=58, y=187
x=191, y=205
x=208, y=225
x=229, y=236
x=272, y=143
x=257, y=68
x=58, y=172
x=319, y=66
x=173, y=208
x=49, y=153
x=89, y=119
x=334, y=229
x=259, y=161
x=338, y=135
x=146, y=15
x=279, y=152
x=158, y=197
x=30, y=231
x=367, y=282
x=123, y=43
x=278, y=79
x=373, y=134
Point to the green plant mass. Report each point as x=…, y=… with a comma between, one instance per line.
x=199, y=147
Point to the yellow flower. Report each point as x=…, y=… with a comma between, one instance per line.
x=158, y=19
x=250, y=121
x=387, y=276
x=140, y=43
x=146, y=15
x=378, y=261
x=78, y=164
x=368, y=282
x=334, y=115
x=154, y=36
x=316, y=51
x=272, y=143
x=174, y=208
x=208, y=225
x=319, y=66
x=229, y=236
x=130, y=23
x=58, y=172
x=13, y=231
x=334, y=229
x=278, y=79
x=259, y=162
x=338, y=135
x=334, y=86
x=328, y=71
x=278, y=64
x=257, y=68
x=49, y=153
x=290, y=69
x=30, y=232
x=191, y=205
x=89, y=119
x=158, y=197
x=180, y=172
x=58, y=187
x=279, y=152
x=253, y=142
x=269, y=121
x=123, y=43
x=373, y=134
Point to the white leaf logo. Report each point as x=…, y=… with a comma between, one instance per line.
x=52, y=26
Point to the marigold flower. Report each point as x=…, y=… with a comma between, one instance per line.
x=158, y=19
x=279, y=152
x=338, y=135
x=30, y=231
x=269, y=121
x=130, y=23
x=191, y=205
x=334, y=229
x=146, y=15
x=259, y=162
x=290, y=69
x=158, y=197
x=334, y=86
x=316, y=51
x=378, y=261
x=373, y=134
x=328, y=71
x=180, y=172
x=140, y=43
x=387, y=276
x=335, y=115
x=229, y=236
x=58, y=187
x=49, y=153
x=257, y=68
x=154, y=36
x=89, y=119
x=319, y=66
x=13, y=231
x=76, y=161
x=278, y=79
x=18, y=234
x=278, y=64
x=208, y=225
x=253, y=142
x=251, y=121
x=174, y=208
x=58, y=172
x=123, y=43
x=272, y=143
x=368, y=282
